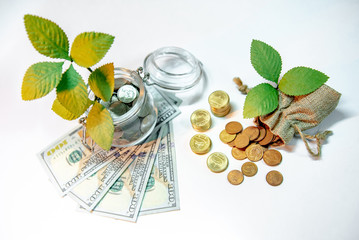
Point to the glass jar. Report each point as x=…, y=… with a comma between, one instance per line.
x=177, y=71
x=173, y=68
x=134, y=121
x=169, y=69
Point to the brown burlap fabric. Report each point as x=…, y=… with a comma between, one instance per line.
x=299, y=113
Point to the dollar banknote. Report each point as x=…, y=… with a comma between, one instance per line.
x=167, y=108
x=123, y=200
x=176, y=100
x=68, y=161
x=90, y=191
x=162, y=193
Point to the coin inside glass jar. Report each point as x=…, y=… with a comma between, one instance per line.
x=118, y=108
x=127, y=93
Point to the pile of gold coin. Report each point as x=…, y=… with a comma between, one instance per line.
x=252, y=143
x=219, y=103
x=201, y=120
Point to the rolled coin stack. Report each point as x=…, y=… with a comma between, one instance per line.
x=219, y=103
x=252, y=143
x=201, y=120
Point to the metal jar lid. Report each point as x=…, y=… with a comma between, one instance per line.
x=173, y=68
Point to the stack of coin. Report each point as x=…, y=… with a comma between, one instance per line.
x=219, y=103
x=201, y=120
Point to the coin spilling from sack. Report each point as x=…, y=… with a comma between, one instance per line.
x=252, y=143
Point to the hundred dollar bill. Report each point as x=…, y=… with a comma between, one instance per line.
x=123, y=200
x=167, y=109
x=90, y=191
x=176, y=100
x=68, y=161
x=162, y=188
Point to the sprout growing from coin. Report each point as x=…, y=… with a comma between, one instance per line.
x=263, y=98
x=72, y=100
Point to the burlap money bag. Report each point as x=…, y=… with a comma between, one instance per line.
x=298, y=113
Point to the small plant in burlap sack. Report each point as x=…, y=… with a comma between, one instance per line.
x=298, y=101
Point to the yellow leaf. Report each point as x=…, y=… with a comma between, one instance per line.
x=102, y=81
x=40, y=79
x=47, y=37
x=100, y=126
x=72, y=92
x=62, y=111
x=89, y=48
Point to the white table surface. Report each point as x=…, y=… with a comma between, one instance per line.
x=319, y=198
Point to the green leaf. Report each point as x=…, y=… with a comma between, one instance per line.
x=47, y=37
x=260, y=100
x=89, y=48
x=99, y=126
x=266, y=60
x=72, y=92
x=301, y=81
x=62, y=111
x=102, y=81
x=40, y=79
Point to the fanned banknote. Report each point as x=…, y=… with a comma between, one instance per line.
x=90, y=191
x=123, y=200
x=162, y=188
x=167, y=108
x=106, y=182
x=176, y=100
x=68, y=161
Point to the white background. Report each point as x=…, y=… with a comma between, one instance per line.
x=319, y=198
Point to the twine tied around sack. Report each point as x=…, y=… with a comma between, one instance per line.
x=319, y=137
x=242, y=88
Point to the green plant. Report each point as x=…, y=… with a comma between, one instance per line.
x=263, y=98
x=72, y=100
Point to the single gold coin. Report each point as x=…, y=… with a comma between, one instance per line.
x=272, y=157
x=254, y=152
x=218, y=99
x=226, y=137
x=235, y=177
x=267, y=139
x=249, y=169
x=201, y=120
x=252, y=132
x=241, y=141
x=200, y=144
x=262, y=134
x=233, y=127
x=238, y=154
x=217, y=162
x=274, y=178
